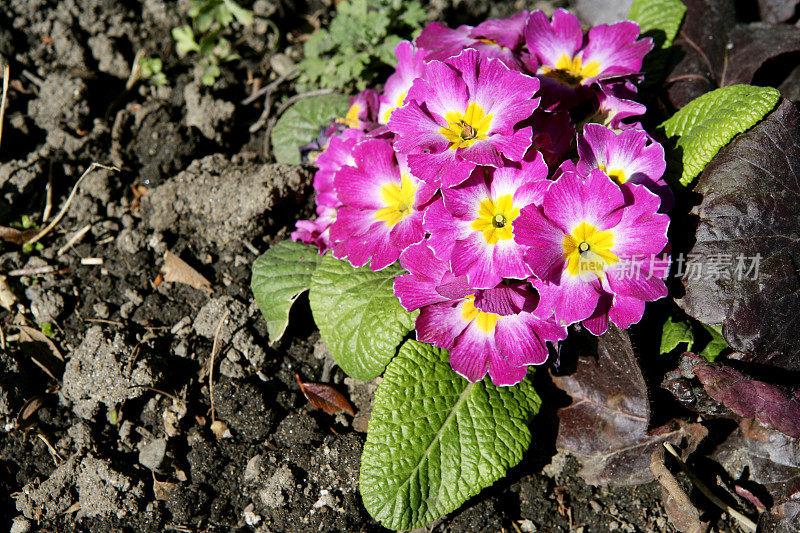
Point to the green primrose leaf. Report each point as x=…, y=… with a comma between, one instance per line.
x=435, y=439
x=280, y=276
x=301, y=122
x=659, y=19
x=674, y=333
x=358, y=315
x=716, y=345
x=709, y=122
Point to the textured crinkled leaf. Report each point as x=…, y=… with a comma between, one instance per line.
x=358, y=315
x=279, y=276
x=709, y=122
x=299, y=125
x=660, y=19
x=674, y=333
x=435, y=439
x=749, y=222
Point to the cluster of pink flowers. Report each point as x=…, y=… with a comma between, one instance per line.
x=503, y=166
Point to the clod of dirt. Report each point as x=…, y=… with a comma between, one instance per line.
x=206, y=113
x=207, y=320
x=103, y=490
x=104, y=371
x=81, y=435
x=11, y=397
x=224, y=202
x=60, y=110
x=45, y=303
x=243, y=408
x=244, y=344
x=277, y=488
x=298, y=429
x=17, y=179
x=152, y=454
x=52, y=496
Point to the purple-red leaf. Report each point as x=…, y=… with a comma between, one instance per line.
x=769, y=458
x=718, y=51
x=771, y=405
x=607, y=424
x=749, y=221
x=325, y=397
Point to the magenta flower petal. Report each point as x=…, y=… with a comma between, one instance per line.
x=571, y=200
x=438, y=221
x=571, y=300
x=508, y=33
x=442, y=42
x=410, y=66
x=550, y=42
x=641, y=230
x=471, y=354
x=626, y=311
x=545, y=239
x=597, y=324
x=440, y=324
x=417, y=130
x=615, y=48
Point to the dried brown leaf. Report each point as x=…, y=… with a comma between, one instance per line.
x=176, y=270
x=29, y=334
x=325, y=397
x=16, y=236
x=162, y=490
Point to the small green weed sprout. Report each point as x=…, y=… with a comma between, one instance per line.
x=359, y=44
x=150, y=69
x=210, y=18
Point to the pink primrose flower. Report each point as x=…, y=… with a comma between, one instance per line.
x=595, y=246
x=626, y=156
x=473, y=224
x=381, y=213
x=462, y=113
x=502, y=39
x=490, y=331
x=568, y=64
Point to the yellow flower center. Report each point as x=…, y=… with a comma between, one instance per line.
x=617, y=175
x=463, y=129
x=588, y=250
x=495, y=218
x=388, y=113
x=399, y=201
x=572, y=71
x=351, y=118
x=485, y=321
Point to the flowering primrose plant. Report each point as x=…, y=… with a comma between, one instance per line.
x=502, y=251
x=497, y=193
